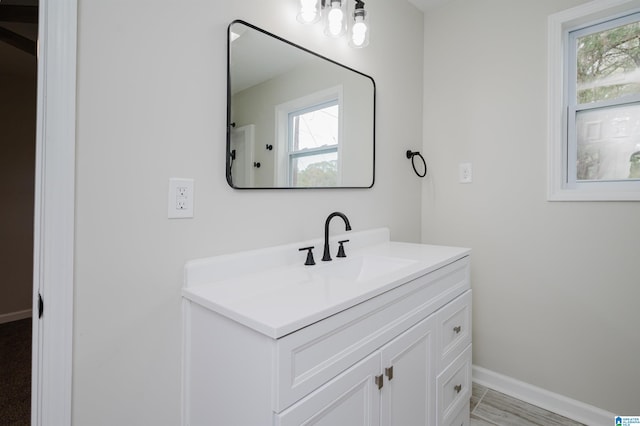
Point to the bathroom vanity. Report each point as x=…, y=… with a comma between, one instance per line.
x=381, y=337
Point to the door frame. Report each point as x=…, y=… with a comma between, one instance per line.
x=54, y=217
x=248, y=133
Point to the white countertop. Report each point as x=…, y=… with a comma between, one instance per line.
x=276, y=297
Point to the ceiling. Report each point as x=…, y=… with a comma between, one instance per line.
x=18, y=26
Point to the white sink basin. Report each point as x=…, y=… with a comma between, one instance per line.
x=360, y=268
x=271, y=290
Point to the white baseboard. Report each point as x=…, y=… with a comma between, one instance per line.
x=575, y=410
x=15, y=316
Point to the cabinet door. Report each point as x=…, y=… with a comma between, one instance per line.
x=351, y=399
x=408, y=395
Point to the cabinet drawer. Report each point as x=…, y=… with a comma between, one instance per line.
x=454, y=329
x=312, y=356
x=454, y=387
x=463, y=417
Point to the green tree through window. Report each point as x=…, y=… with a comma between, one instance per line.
x=608, y=64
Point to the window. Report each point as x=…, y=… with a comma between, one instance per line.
x=308, y=140
x=313, y=145
x=594, y=150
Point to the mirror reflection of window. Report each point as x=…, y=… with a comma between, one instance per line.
x=313, y=134
x=309, y=140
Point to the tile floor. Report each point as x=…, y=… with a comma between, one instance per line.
x=492, y=408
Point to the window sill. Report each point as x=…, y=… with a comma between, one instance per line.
x=592, y=195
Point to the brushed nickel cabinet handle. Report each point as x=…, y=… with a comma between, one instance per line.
x=457, y=329
x=379, y=381
x=457, y=388
x=389, y=372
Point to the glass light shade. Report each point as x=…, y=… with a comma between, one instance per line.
x=359, y=36
x=335, y=18
x=309, y=12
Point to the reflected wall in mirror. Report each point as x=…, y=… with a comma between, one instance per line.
x=294, y=118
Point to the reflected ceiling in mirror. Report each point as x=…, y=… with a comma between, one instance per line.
x=295, y=119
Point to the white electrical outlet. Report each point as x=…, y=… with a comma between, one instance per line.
x=464, y=170
x=180, y=204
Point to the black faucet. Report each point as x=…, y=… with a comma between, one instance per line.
x=327, y=256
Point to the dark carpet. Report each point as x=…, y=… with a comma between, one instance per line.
x=15, y=373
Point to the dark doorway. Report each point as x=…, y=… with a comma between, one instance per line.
x=18, y=100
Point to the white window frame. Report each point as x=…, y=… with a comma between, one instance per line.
x=559, y=26
x=282, y=129
x=295, y=154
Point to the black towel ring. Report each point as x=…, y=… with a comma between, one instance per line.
x=411, y=155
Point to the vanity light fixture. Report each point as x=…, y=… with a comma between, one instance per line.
x=335, y=18
x=309, y=11
x=360, y=27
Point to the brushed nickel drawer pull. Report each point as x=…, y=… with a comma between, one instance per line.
x=457, y=329
x=457, y=388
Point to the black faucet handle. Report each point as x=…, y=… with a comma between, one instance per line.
x=309, y=260
x=341, y=252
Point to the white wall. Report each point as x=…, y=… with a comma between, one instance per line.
x=152, y=105
x=556, y=285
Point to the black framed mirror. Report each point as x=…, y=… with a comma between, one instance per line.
x=295, y=119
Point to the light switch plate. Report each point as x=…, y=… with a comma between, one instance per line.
x=180, y=199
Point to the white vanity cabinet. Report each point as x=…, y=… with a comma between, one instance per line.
x=400, y=358
x=392, y=386
x=398, y=384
